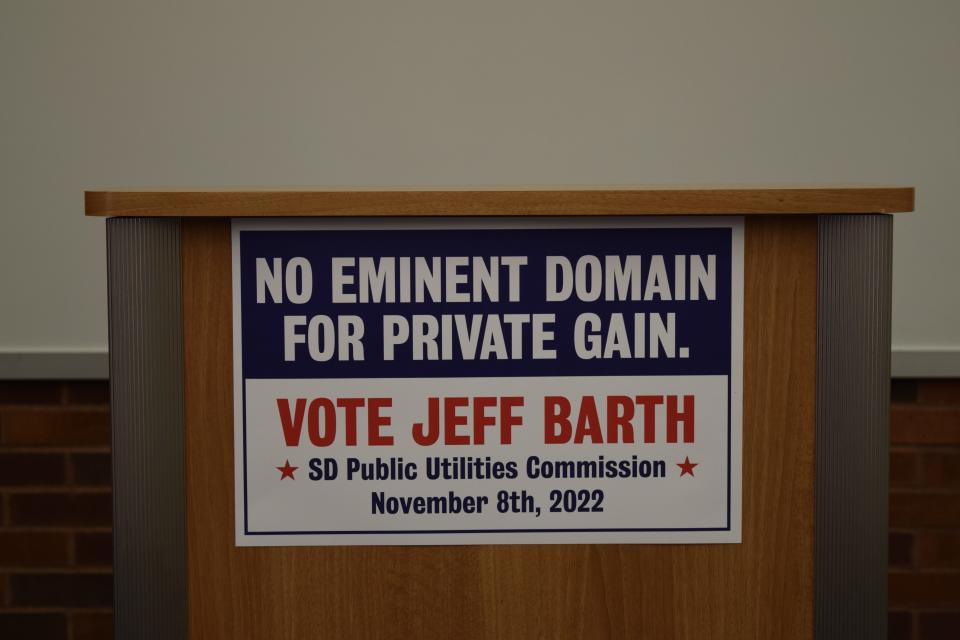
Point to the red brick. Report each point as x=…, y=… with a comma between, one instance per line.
x=29, y=392
x=900, y=550
x=924, y=590
x=945, y=392
x=939, y=625
x=34, y=626
x=93, y=548
x=61, y=590
x=904, y=468
x=58, y=509
x=913, y=510
x=49, y=426
x=938, y=550
x=899, y=625
x=903, y=390
x=86, y=392
x=33, y=549
x=93, y=626
x=910, y=424
x=941, y=470
x=91, y=468
x=25, y=469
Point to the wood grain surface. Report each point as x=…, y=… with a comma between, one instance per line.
x=499, y=201
x=762, y=588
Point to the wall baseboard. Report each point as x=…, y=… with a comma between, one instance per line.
x=94, y=365
x=926, y=363
x=54, y=365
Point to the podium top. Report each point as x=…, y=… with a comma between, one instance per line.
x=498, y=201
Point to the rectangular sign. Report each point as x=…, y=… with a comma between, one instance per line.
x=488, y=381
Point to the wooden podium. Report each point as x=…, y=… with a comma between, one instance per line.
x=816, y=353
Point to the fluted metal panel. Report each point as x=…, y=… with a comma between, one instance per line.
x=146, y=394
x=853, y=401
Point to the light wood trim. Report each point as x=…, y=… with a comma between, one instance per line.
x=762, y=588
x=500, y=202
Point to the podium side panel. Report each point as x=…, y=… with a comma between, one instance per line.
x=762, y=588
x=146, y=415
x=853, y=404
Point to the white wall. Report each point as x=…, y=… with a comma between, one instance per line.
x=123, y=93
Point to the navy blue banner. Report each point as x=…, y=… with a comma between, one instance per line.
x=703, y=327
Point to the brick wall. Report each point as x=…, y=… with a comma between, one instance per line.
x=55, y=544
x=55, y=511
x=925, y=510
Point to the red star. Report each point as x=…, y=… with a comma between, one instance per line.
x=686, y=466
x=286, y=471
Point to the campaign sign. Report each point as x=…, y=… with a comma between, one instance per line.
x=488, y=381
